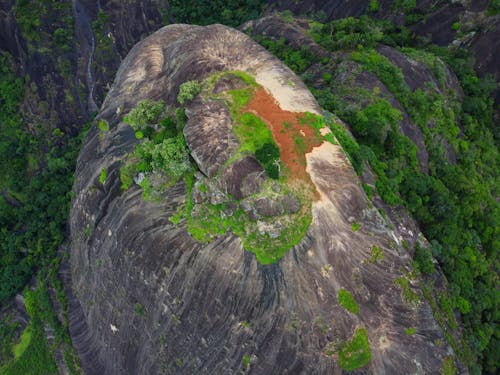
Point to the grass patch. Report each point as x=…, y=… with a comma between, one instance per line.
x=448, y=367
x=408, y=294
x=103, y=125
x=252, y=132
x=208, y=221
x=33, y=356
x=102, y=176
x=377, y=254
x=355, y=227
x=20, y=348
x=246, y=361
x=410, y=331
x=347, y=301
x=356, y=353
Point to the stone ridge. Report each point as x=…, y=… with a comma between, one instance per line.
x=156, y=301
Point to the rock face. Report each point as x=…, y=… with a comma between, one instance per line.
x=68, y=79
x=156, y=301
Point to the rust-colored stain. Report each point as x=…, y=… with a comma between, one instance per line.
x=294, y=138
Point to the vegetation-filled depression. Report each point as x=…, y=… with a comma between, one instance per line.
x=274, y=211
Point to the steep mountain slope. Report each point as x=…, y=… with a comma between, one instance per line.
x=419, y=134
x=470, y=24
x=155, y=300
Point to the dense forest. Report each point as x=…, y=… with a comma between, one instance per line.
x=455, y=203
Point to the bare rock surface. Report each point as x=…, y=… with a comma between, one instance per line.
x=155, y=301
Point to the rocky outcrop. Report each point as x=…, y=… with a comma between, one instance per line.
x=67, y=77
x=436, y=21
x=155, y=301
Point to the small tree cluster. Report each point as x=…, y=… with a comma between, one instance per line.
x=188, y=91
x=145, y=114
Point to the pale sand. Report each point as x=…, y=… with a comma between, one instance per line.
x=291, y=95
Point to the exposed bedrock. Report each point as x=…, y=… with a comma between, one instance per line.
x=155, y=301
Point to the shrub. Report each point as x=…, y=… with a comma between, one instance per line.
x=171, y=156
x=188, y=91
x=103, y=125
x=347, y=301
x=355, y=353
x=410, y=331
x=423, y=259
x=102, y=177
x=377, y=254
x=127, y=173
x=146, y=113
x=268, y=155
x=493, y=7
x=373, y=6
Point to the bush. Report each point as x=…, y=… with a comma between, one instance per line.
x=103, y=125
x=423, y=259
x=355, y=353
x=188, y=91
x=171, y=156
x=347, y=301
x=268, y=155
x=145, y=114
x=373, y=6
x=103, y=175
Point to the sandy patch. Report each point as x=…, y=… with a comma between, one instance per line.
x=324, y=131
x=286, y=92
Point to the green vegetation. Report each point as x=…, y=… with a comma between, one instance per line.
x=139, y=309
x=188, y=91
x=162, y=155
x=253, y=133
x=423, y=260
x=410, y=331
x=206, y=221
x=33, y=355
x=298, y=60
x=103, y=125
x=377, y=254
x=373, y=6
x=207, y=12
x=246, y=361
x=356, y=353
x=144, y=115
x=409, y=295
x=20, y=347
x=102, y=176
x=269, y=156
x=405, y=5
x=34, y=208
x=448, y=366
x=355, y=226
x=493, y=7
x=454, y=203
x=347, y=301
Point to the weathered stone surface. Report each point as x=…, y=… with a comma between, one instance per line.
x=209, y=136
x=228, y=82
x=268, y=207
x=243, y=177
x=291, y=204
x=155, y=301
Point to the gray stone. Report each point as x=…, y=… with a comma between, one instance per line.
x=291, y=204
x=268, y=207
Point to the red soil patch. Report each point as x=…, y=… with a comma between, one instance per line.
x=294, y=137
